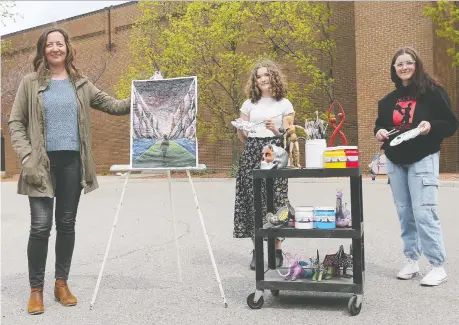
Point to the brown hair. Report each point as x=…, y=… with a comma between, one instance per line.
x=420, y=80
x=276, y=80
x=40, y=63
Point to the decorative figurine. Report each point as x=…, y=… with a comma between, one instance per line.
x=273, y=157
x=336, y=262
x=318, y=268
x=346, y=262
x=281, y=218
x=294, y=149
x=332, y=261
x=343, y=215
x=332, y=121
x=295, y=269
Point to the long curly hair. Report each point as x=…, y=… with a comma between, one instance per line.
x=276, y=80
x=40, y=63
x=420, y=80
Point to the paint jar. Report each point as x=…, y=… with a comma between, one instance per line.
x=304, y=217
x=352, y=155
x=324, y=218
x=334, y=157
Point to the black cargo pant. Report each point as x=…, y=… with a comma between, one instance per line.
x=66, y=178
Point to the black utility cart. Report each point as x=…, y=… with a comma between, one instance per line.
x=269, y=279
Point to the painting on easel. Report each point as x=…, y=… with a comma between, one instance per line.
x=163, y=124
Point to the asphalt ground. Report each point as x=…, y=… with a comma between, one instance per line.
x=140, y=283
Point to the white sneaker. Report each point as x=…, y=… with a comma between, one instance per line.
x=436, y=276
x=410, y=269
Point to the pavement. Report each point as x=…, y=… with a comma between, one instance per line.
x=140, y=283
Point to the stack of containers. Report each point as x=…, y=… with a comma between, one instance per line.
x=341, y=157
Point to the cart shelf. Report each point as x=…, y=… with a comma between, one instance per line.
x=273, y=281
x=310, y=233
x=306, y=173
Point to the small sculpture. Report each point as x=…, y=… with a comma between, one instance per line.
x=346, y=262
x=335, y=262
x=332, y=121
x=318, y=268
x=273, y=157
x=295, y=269
x=343, y=215
x=281, y=218
x=332, y=263
x=290, y=134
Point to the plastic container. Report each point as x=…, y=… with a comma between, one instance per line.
x=334, y=157
x=304, y=217
x=352, y=155
x=324, y=218
x=314, y=152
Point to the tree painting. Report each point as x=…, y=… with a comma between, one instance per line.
x=163, y=117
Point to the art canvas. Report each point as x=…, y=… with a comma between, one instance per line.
x=163, y=124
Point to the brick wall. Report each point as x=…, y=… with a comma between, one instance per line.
x=366, y=40
x=448, y=78
x=378, y=35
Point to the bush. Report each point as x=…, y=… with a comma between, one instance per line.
x=234, y=169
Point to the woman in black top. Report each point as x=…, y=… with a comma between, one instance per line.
x=413, y=165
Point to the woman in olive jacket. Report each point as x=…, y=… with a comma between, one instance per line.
x=50, y=130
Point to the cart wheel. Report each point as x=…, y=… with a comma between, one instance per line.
x=352, y=307
x=275, y=293
x=252, y=304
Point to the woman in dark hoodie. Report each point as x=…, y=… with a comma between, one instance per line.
x=413, y=165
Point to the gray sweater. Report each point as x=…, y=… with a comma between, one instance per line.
x=61, y=116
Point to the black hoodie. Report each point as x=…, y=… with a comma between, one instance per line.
x=401, y=110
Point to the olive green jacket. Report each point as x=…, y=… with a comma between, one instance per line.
x=27, y=131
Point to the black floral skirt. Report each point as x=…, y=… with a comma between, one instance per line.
x=244, y=210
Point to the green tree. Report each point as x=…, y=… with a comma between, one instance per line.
x=219, y=41
x=445, y=15
x=299, y=33
x=202, y=39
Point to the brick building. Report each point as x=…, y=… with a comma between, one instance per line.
x=367, y=35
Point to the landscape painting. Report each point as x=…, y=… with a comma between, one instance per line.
x=163, y=124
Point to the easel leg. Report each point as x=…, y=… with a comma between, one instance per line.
x=109, y=241
x=207, y=240
x=175, y=225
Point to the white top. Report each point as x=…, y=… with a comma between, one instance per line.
x=267, y=108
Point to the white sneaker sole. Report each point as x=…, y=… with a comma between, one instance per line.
x=434, y=284
x=407, y=276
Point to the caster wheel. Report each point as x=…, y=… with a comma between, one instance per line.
x=275, y=293
x=351, y=306
x=252, y=304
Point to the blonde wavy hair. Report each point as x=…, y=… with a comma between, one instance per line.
x=40, y=64
x=276, y=80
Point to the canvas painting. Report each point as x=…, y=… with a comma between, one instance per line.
x=163, y=124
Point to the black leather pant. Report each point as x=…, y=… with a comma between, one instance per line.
x=66, y=177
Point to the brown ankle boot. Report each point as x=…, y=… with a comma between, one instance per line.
x=63, y=294
x=35, y=306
